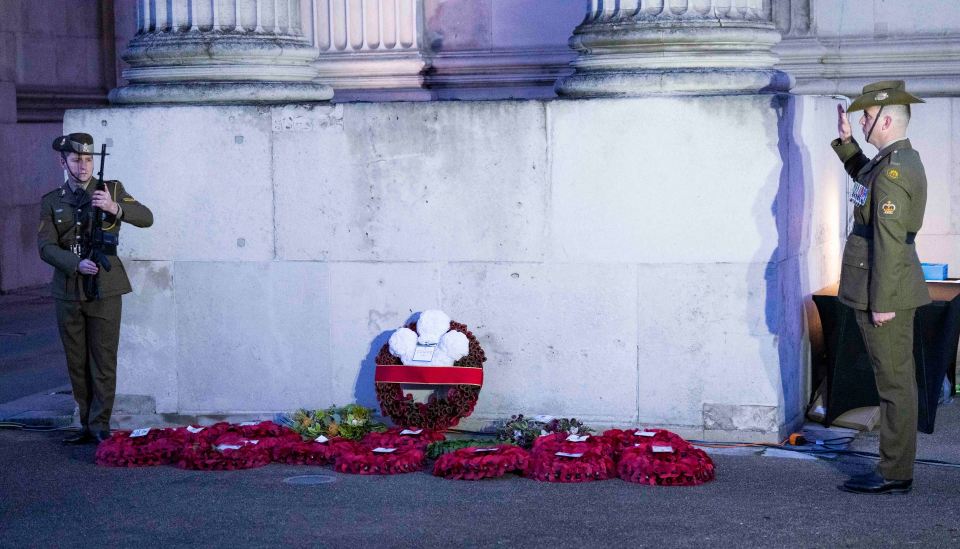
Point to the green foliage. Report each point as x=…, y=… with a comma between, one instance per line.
x=351, y=422
x=437, y=449
x=522, y=431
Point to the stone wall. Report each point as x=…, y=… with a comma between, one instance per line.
x=621, y=260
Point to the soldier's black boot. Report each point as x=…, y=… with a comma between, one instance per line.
x=83, y=437
x=873, y=483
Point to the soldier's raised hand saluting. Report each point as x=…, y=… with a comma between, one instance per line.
x=843, y=125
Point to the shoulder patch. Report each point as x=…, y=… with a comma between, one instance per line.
x=129, y=199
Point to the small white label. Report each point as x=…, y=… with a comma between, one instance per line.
x=569, y=455
x=577, y=438
x=254, y=442
x=482, y=450
x=381, y=450
x=645, y=433
x=424, y=353
x=249, y=423
x=195, y=430
x=411, y=432
x=321, y=439
x=140, y=432
x=662, y=449
x=222, y=447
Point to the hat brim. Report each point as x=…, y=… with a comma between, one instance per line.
x=889, y=97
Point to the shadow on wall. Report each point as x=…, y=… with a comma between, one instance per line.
x=785, y=273
x=364, y=392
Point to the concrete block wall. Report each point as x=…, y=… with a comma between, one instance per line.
x=622, y=261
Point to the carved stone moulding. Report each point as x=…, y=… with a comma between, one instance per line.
x=702, y=48
x=929, y=64
x=220, y=51
x=498, y=74
x=221, y=93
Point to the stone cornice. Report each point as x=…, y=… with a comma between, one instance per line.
x=500, y=68
x=842, y=65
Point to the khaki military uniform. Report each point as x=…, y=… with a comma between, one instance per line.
x=881, y=273
x=89, y=330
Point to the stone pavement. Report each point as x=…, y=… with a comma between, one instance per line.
x=54, y=495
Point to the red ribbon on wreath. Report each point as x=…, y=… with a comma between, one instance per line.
x=479, y=463
x=437, y=414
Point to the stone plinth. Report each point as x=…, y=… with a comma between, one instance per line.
x=611, y=273
x=630, y=48
x=234, y=51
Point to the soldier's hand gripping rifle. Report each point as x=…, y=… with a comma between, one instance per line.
x=97, y=242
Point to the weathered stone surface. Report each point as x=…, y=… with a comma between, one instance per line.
x=253, y=336
x=655, y=196
x=415, y=182
x=557, y=336
x=147, y=360
x=205, y=172
x=738, y=417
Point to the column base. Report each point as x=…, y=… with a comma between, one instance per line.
x=675, y=82
x=221, y=93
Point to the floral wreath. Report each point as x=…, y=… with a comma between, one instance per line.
x=475, y=463
x=679, y=463
x=438, y=413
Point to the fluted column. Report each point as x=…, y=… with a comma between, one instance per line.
x=370, y=49
x=220, y=51
x=640, y=47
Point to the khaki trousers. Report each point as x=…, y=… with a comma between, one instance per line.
x=90, y=332
x=890, y=348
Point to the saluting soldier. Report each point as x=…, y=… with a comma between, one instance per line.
x=881, y=276
x=89, y=326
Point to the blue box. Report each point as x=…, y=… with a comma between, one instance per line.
x=934, y=271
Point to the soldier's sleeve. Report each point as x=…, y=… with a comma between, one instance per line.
x=133, y=212
x=850, y=154
x=48, y=242
x=891, y=206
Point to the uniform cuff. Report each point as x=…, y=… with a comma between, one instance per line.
x=845, y=150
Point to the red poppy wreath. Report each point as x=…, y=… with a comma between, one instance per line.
x=432, y=351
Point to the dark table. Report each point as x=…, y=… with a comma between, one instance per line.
x=839, y=355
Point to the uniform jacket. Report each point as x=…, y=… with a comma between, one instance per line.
x=882, y=274
x=62, y=215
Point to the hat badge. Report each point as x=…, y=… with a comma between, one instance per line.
x=86, y=148
x=881, y=96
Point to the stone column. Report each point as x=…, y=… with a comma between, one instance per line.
x=220, y=51
x=370, y=49
x=634, y=47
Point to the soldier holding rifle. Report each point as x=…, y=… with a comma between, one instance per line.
x=79, y=227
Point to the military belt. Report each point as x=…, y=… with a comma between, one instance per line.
x=866, y=231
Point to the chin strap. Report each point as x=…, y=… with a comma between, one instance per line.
x=874, y=125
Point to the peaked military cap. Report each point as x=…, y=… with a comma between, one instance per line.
x=886, y=92
x=80, y=143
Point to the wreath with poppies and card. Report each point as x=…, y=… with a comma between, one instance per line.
x=437, y=352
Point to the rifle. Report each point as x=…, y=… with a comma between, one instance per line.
x=97, y=241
